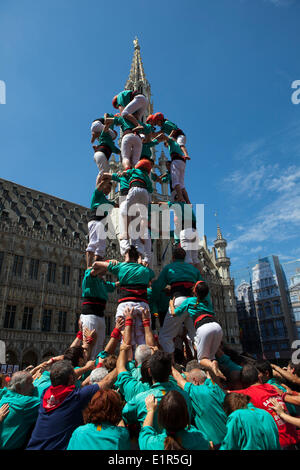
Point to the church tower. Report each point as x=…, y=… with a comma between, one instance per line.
x=222, y=261
x=137, y=80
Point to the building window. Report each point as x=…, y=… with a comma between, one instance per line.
x=10, y=314
x=18, y=265
x=276, y=307
x=46, y=320
x=296, y=312
x=51, y=271
x=62, y=321
x=280, y=327
x=76, y=322
x=268, y=309
x=66, y=275
x=27, y=318
x=34, y=268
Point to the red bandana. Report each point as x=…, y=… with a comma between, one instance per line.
x=54, y=396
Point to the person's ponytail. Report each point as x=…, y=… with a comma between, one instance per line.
x=172, y=443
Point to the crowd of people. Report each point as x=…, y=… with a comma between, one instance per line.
x=180, y=389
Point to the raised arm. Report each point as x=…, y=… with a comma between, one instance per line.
x=128, y=325
x=286, y=374
x=99, y=267
x=178, y=377
x=115, y=336
x=149, y=336
x=123, y=358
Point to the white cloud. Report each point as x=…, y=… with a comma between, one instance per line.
x=287, y=181
x=280, y=3
x=267, y=185
x=251, y=181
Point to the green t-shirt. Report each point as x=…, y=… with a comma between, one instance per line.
x=207, y=402
x=23, y=412
x=129, y=386
x=98, y=199
x=175, y=272
x=138, y=173
x=105, y=139
x=251, y=429
x=191, y=439
x=225, y=361
x=146, y=148
x=93, y=286
x=131, y=273
x=148, y=128
x=104, y=436
x=42, y=382
x=174, y=147
x=122, y=179
x=195, y=308
x=160, y=305
x=124, y=123
x=135, y=409
x=168, y=126
x=124, y=98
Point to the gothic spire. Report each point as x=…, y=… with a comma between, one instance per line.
x=137, y=79
x=137, y=73
x=219, y=234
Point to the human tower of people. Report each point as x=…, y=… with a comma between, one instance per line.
x=135, y=277
x=181, y=389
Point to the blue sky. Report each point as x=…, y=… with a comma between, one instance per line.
x=221, y=69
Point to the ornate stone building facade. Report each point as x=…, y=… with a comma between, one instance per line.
x=42, y=261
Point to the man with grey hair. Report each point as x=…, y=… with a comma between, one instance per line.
x=196, y=376
x=61, y=407
x=23, y=411
x=98, y=374
x=142, y=352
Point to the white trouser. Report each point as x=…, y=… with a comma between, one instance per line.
x=181, y=140
x=137, y=202
x=100, y=128
x=97, y=241
x=189, y=241
x=207, y=340
x=147, y=252
x=123, y=215
x=101, y=162
x=138, y=332
x=138, y=106
x=92, y=322
x=172, y=326
x=177, y=173
x=131, y=149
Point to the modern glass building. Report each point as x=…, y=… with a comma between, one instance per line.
x=264, y=307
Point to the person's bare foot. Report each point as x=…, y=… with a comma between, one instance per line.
x=216, y=370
